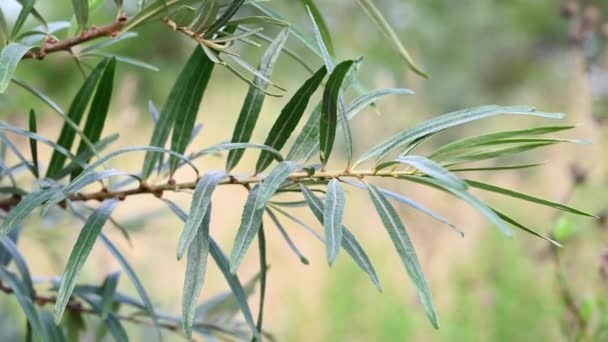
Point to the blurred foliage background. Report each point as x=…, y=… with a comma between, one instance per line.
x=487, y=287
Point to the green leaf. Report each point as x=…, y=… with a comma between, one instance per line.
x=493, y=138
x=320, y=23
x=26, y=9
x=349, y=242
x=236, y=146
x=23, y=209
x=333, y=213
x=511, y=221
x=190, y=99
x=99, y=109
x=28, y=307
x=467, y=197
x=274, y=180
x=287, y=238
x=205, y=16
x=376, y=16
x=257, y=21
x=80, y=252
x=139, y=287
x=10, y=56
x=369, y=98
x=112, y=322
x=42, y=97
x=329, y=112
x=201, y=204
x=81, y=11
x=445, y=121
x=225, y=17
x=409, y=202
x=235, y=285
x=75, y=113
x=255, y=98
x=476, y=156
x=108, y=289
x=34, y=144
x=4, y=32
x=250, y=224
x=497, y=168
x=290, y=117
x=263, y=275
x=156, y=10
x=525, y=197
x=196, y=268
x=405, y=248
x=181, y=100
x=433, y=170
x=307, y=142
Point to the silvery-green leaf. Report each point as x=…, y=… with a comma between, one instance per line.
x=400, y=237
x=80, y=252
x=10, y=56
x=287, y=238
x=200, y=205
x=433, y=170
x=274, y=180
x=196, y=269
x=23, y=209
x=333, y=213
x=251, y=221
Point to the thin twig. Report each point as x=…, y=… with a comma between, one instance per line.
x=52, y=45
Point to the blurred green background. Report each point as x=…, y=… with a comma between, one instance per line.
x=487, y=287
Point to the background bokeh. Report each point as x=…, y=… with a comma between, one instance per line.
x=487, y=287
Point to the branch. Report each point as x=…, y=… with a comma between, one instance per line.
x=52, y=45
x=158, y=190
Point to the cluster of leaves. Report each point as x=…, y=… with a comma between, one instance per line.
x=215, y=26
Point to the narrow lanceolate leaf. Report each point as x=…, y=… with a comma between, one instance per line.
x=329, y=113
x=255, y=99
x=81, y=11
x=34, y=144
x=237, y=146
x=376, y=16
x=333, y=214
x=307, y=143
x=369, y=98
x=287, y=238
x=99, y=109
x=274, y=180
x=201, y=203
x=4, y=32
x=184, y=16
x=156, y=10
x=23, y=209
x=182, y=99
x=26, y=8
x=250, y=224
x=75, y=114
x=445, y=121
x=433, y=170
x=10, y=248
x=185, y=116
x=290, y=117
x=349, y=242
x=321, y=24
x=25, y=302
x=526, y=197
x=466, y=196
x=235, y=285
x=401, y=239
x=525, y=229
x=196, y=269
x=10, y=56
x=80, y=252
x=112, y=322
x=53, y=332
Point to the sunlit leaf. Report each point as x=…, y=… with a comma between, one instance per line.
x=401, y=239
x=290, y=117
x=333, y=213
x=445, y=121
x=254, y=100
x=196, y=269
x=200, y=205
x=80, y=252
